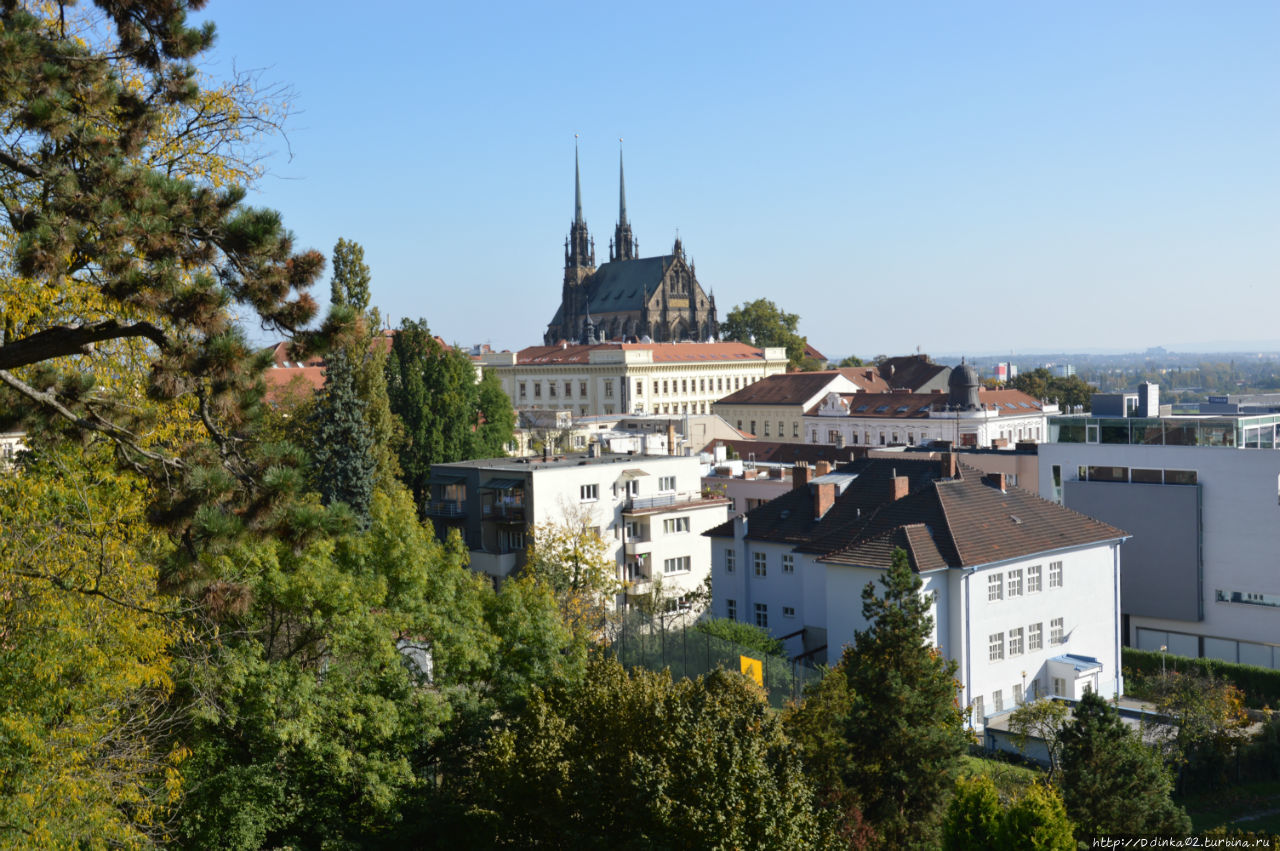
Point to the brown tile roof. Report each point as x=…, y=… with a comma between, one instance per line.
x=787, y=388
x=956, y=522
x=866, y=377
x=662, y=352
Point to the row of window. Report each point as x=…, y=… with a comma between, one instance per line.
x=553, y=388
x=1032, y=693
x=998, y=646
x=836, y=437
x=679, y=564
x=697, y=385
x=591, y=493
x=761, y=612
x=759, y=562
x=1010, y=584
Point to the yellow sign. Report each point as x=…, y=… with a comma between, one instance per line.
x=753, y=668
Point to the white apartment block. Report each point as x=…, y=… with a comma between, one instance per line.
x=774, y=409
x=631, y=378
x=1025, y=594
x=1201, y=497
x=649, y=510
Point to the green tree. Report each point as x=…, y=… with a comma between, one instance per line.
x=739, y=632
x=973, y=818
x=342, y=447
x=351, y=276
x=762, y=323
x=852, y=360
x=895, y=732
x=1037, y=821
x=1112, y=782
x=636, y=760
x=570, y=559
x=435, y=396
x=1041, y=719
x=497, y=418
x=1207, y=723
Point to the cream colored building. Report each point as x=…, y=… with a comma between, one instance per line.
x=636, y=378
x=774, y=409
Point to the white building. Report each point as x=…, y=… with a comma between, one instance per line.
x=10, y=445
x=1200, y=496
x=621, y=378
x=649, y=510
x=773, y=409
x=1026, y=593
x=1000, y=418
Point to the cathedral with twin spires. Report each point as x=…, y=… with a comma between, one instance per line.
x=630, y=298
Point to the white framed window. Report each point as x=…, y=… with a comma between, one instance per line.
x=666, y=483
x=1017, y=694
x=1015, y=641
x=608, y=388
x=761, y=563
x=1015, y=583
x=522, y=390
x=731, y=609
x=582, y=389
x=1055, y=574
x=997, y=701
x=1059, y=686
x=795, y=429
x=1034, y=578
x=1055, y=631
x=589, y=493
x=978, y=714
x=675, y=525
x=762, y=615
x=730, y=560
x=1035, y=637
x=995, y=587
x=679, y=564
x=995, y=646
x=788, y=563
x=788, y=611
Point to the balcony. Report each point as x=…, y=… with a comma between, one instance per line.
x=447, y=508
x=499, y=565
x=512, y=512
x=671, y=502
x=638, y=547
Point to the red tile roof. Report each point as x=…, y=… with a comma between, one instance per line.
x=662, y=352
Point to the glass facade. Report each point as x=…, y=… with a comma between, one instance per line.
x=1251, y=432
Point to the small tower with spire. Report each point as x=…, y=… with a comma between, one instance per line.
x=624, y=246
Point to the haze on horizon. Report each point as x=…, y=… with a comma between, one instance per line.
x=987, y=178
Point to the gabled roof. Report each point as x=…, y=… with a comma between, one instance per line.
x=624, y=284
x=786, y=388
x=911, y=372
x=953, y=522
x=866, y=377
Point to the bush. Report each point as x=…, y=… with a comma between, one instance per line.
x=748, y=635
x=1261, y=686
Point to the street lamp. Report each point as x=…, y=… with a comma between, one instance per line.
x=1163, y=648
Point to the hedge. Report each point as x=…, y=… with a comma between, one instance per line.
x=1261, y=686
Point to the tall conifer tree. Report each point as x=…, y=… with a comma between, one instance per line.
x=343, y=447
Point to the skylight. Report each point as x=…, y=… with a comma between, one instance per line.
x=882, y=409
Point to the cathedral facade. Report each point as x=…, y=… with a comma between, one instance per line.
x=629, y=298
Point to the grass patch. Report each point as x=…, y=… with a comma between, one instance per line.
x=1226, y=807
x=1011, y=780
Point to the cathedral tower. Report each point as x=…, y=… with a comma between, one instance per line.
x=624, y=245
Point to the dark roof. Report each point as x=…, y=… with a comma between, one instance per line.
x=766, y=451
x=910, y=372
x=956, y=522
x=786, y=388
x=624, y=284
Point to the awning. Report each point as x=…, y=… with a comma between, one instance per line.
x=632, y=473
x=446, y=479
x=503, y=484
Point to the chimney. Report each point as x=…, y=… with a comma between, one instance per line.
x=800, y=475
x=671, y=438
x=996, y=480
x=824, y=496
x=898, y=488
x=947, y=463
x=823, y=468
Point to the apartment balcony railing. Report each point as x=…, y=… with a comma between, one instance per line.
x=505, y=511
x=447, y=508
x=638, y=504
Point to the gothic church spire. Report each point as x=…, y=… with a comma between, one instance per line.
x=579, y=251
x=624, y=246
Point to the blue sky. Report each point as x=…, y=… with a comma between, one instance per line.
x=980, y=177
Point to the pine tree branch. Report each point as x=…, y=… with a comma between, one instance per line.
x=73, y=340
x=21, y=167
x=95, y=423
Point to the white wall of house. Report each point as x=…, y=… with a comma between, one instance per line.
x=979, y=429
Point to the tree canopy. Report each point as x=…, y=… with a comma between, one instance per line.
x=762, y=323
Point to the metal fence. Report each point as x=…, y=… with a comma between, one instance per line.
x=656, y=644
